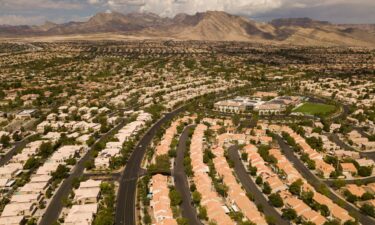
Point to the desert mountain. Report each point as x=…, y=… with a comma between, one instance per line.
x=211, y=25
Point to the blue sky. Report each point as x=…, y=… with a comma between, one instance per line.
x=16, y=12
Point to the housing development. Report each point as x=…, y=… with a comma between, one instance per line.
x=186, y=132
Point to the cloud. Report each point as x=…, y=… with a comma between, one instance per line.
x=21, y=20
x=173, y=7
x=334, y=10
x=39, y=4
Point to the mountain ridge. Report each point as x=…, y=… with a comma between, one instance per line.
x=207, y=26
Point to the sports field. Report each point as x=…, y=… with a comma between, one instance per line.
x=315, y=109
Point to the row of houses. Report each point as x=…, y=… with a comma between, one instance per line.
x=322, y=168
x=292, y=175
x=113, y=149
x=237, y=197
x=160, y=202
x=85, y=204
x=170, y=133
x=28, y=197
x=360, y=142
x=214, y=204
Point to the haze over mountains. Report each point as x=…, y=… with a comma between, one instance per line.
x=208, y=26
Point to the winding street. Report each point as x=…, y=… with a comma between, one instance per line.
x=125, y=204
x=56, y=205
x=317, y=184
x=17, y=146
x=180, y=179
x=251, y=187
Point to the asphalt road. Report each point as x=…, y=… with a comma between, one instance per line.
x=54, y=208
x=180, y=179
x=251, y=187
x=316, y=183
x=335, y=139
x=125, y=204
x=17, y=146
x=364, y=180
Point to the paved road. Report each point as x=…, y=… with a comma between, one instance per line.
x=362, y=132
x=370, y=155
x=251, y=187
x=335, y=139
x=18, y=146
x=125, y=205
x=187, y=209
x=316, y=183
x=364, y=180
x=54, y=208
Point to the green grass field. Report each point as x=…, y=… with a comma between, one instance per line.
x=315, y=109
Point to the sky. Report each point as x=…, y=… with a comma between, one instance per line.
x=32, y=12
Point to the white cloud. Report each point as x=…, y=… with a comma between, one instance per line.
x=173, y=7
x=20, y=20
x=38, y=4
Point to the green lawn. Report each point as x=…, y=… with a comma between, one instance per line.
x=315, y=109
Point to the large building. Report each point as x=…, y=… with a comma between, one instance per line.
x=237, y=105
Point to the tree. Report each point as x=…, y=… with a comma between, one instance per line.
x=276, y=200
x=307, y=197
x=259, y=180
x=253, y=170
x=45, y=149
x=5, y=141
x=324, y=210
x=90, y=141
x=351, y=222
x=147, y=219
x=61, y=172
x=367, y=196
x=339, y=183
x=89, y=165
x=182, y=221
x=236, y=119
x=271, y=220
x=332, y=222
x=31, y=163
x=311, y=164
x=289, y=214
x=368, y=209
x=71, y=161
x=161, y=165
x=2, y=94
x=308, y=223
x=350, y=197
x=296, y=187
x=266, y=188
x=196, y=196
x=175, y=197
x=16, y=136
x=365, y=171
x=202, y=213
x=244, y=156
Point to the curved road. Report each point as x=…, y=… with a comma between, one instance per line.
x=17, y=146
x=317, y=184
x=125, y=204
x=55, y=206
x=180, y=179
x=251, y=187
